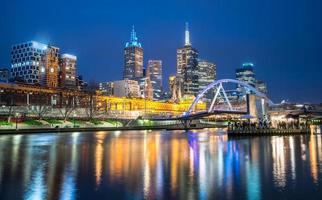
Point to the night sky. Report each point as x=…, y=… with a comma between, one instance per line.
x=283, y=38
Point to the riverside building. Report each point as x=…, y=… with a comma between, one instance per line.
x=67, y=74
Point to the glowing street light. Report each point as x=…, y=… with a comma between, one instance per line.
x=16, y=117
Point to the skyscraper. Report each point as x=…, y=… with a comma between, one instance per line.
x=155, y=73
x=67, y=74
x=133, y=58
x=206, y=75
x=187, y=62
x=246, y=74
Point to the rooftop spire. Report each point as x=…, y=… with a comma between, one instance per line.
x=133, y=35
x=133, y=40
x=187, y=36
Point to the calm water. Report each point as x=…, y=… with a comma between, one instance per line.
x=159, y=165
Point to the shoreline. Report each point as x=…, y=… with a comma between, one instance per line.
x=231, y=134
x=64, y=130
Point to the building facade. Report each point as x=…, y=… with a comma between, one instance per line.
x=154, y=71
x=41, y=64
x=175, y=87
x=246, y=74
x=261, y=86
x=107, y=88
x=133, y=58
x=4, y=75
x=126, y=88
x=49, y=69
x=81, y=84
x=206, y=75
x=187, y=63
x=67, y=73
x=26, y=61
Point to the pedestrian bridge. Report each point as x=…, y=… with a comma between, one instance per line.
x=221, y=102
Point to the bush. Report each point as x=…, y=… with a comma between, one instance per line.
x=33, y=123
x=5, y=123
x=53, y=121
x=96, y=122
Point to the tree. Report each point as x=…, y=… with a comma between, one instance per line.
x=90, y=103
x=68, y=105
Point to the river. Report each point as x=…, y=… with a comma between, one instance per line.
x=159, y=165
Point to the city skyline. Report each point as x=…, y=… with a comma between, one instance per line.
x=298, y=76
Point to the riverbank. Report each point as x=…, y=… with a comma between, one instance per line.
x=268, y=132
x=87, y=129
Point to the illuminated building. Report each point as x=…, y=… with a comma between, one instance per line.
x=261, y=86
x=4, y=75
x=187, y=63
x=133, y=58
x=246, y=74
x=126, y=88
x=49, y=68
x=67, y=76
x=146, y=88
x=155, y=73
x=26, y=60
x=107, y=88
x=81, y=84
x=206, y=75
x=171, y=83
x=175, y=87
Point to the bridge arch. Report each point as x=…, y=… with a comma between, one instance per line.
x=218, y=83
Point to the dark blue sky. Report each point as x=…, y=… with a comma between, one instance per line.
x=282, y=37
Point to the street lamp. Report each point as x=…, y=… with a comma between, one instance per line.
x=16, y=115
x=74, y=118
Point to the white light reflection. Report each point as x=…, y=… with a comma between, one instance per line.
x=36, y=189
x=146, y=170
x=15, y=151
x=68, y=188
x=292, y=151
x=159, y=172
x=278, y=161
x=202, y=172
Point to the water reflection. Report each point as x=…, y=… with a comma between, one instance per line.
x=158, y=165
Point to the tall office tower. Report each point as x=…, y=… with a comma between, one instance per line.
x=133, y=58
x=49, y=68
x=155, y=74
x=107, y=88
x=206, y=75
x=67, y=73
x=246, y=74
x=26, y=59
x=187, y=63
